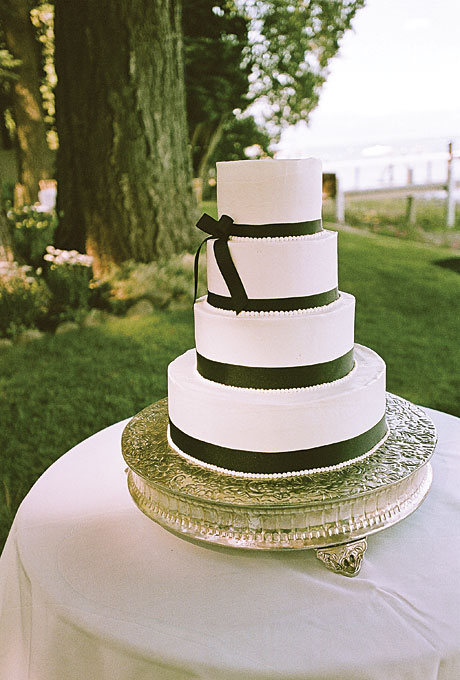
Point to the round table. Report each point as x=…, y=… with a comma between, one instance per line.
x=91, y=589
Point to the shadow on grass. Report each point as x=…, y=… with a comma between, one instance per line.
x=452, y=263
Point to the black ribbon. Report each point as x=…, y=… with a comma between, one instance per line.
x=285, y=461
x=223, y=228
x=275, y=378
x=288, y=304
x=226, y=227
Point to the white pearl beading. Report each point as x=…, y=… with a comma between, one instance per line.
x=304, y=237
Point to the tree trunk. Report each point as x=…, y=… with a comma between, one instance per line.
x=36, y=161
x=213, y=138
x=124, y=173
x=6, y=246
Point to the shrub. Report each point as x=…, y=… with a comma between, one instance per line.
x=6, y=192
x=100, y=294
x=31, y=232
x=24, y=299
x=68, y=277
x=166, y=283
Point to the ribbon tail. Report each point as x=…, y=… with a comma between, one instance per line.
x=230, y=274
x=196, y=266
x=219, y=229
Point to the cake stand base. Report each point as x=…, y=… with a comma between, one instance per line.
x=332, y=511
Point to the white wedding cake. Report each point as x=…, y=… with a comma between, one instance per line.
x=276, y=385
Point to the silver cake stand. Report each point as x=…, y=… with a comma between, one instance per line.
x=332, y=512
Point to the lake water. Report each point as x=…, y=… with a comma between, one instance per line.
x=390, y=163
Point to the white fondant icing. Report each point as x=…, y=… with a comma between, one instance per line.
x=268, y=191
x=272, y=421
x=279, y=268
x=299, y=339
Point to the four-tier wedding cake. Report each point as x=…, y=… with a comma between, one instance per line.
x=276, y=385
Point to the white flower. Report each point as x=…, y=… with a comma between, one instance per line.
x=12, y=270
x=69, y=257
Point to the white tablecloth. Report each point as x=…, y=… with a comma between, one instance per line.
x=91, y=589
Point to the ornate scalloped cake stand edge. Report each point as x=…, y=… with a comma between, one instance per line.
x=332, y=512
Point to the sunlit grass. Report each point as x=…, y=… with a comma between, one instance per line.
x=407, y=310
x=388, y=216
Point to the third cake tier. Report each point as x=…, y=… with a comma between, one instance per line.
x=272, y=350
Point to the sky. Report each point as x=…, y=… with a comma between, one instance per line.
x=396, y=76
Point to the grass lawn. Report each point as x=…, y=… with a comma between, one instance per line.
x=58, y=390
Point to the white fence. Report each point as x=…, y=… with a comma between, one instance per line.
x=398, y=177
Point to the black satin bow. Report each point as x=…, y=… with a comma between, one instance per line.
x=221, y=230
x=218, y=228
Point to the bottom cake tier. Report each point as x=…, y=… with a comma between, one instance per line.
x=272, y=432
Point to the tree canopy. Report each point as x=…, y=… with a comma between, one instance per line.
x=267, y=58
x=216, y=80
x=289, y=52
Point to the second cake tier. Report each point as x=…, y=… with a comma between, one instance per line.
x=295, y=272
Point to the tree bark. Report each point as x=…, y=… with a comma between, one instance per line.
x=124, y=172
x=213, y=137
x=36, y=161
x=6, y=246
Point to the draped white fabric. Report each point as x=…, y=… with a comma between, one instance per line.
x=91, y=589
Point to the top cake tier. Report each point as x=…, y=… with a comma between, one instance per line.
x=270, y=192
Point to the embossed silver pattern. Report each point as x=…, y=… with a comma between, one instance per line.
x=308, y=511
